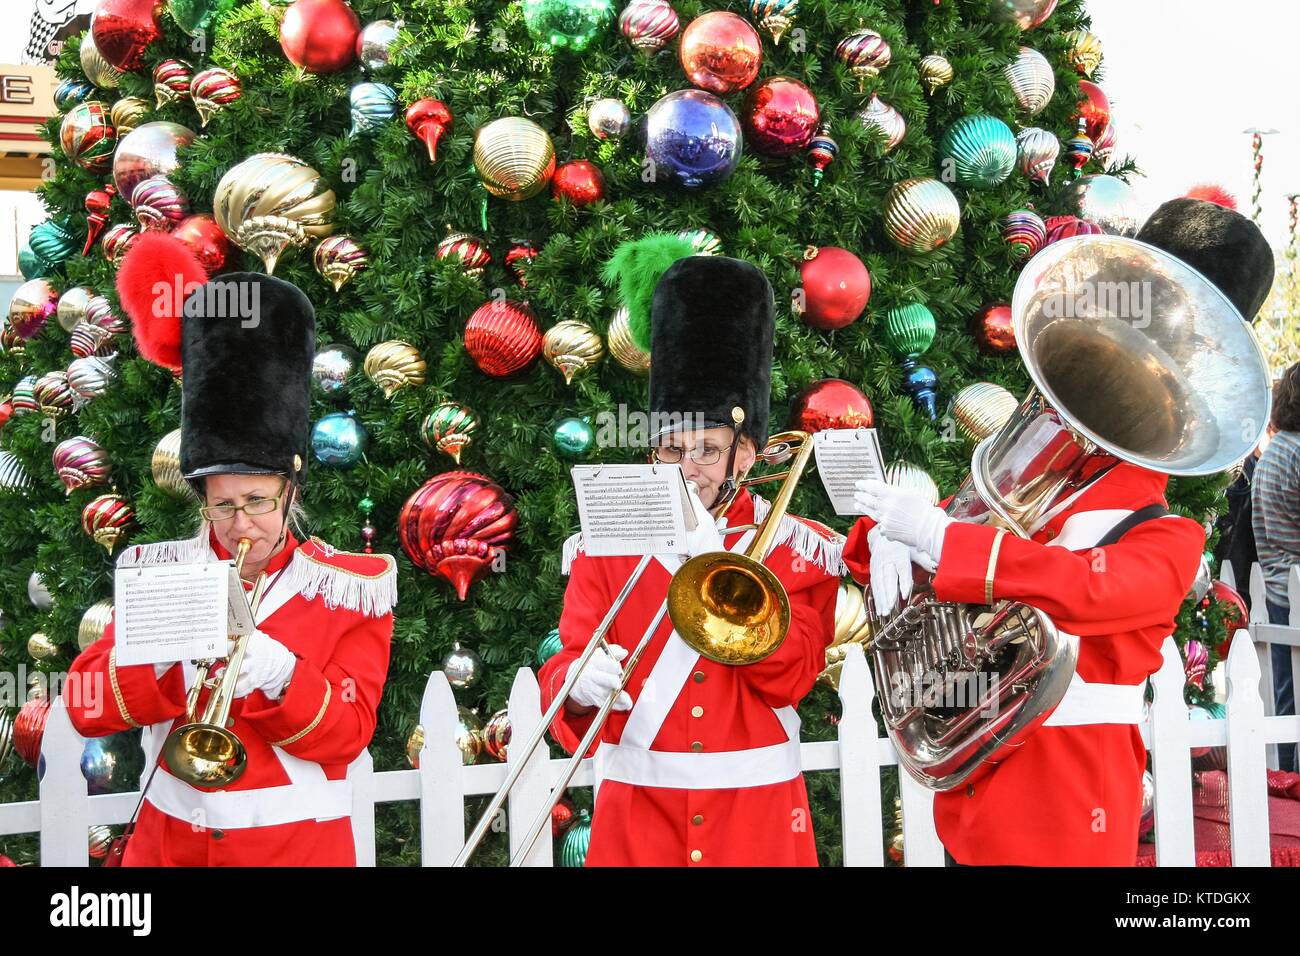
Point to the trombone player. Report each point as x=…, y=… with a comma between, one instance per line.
x=701, y=759
x=1113, y=568
x=303, y=702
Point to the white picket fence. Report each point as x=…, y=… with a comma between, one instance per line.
x=64, y=811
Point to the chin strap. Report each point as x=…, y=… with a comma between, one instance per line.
x=731, y=485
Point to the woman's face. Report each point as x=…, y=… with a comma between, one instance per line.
x=263, y=530
x=709, y=443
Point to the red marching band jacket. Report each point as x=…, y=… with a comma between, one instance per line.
x=291, y=806
x=1071, y=794
x=705, y=769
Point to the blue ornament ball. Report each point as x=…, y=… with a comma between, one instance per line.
x=692, y=139
x=339, y=440
x=373, y=105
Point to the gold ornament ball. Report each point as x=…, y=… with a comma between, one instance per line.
x=921, y=214
x=272, y=201
x=394, y=364
x=41, y=647
x=71, y=310
x=626, y=352
x=98, y=70
x=981, y=409
x=572, y=347
x=1085, y=51
x=93, y=623
x=935, y=72
x=128, y=113
x=514, y=157
x=166, y=466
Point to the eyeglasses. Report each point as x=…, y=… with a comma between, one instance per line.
x=703, y=455
x=258, y=506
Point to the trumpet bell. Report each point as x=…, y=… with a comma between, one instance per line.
x=205, y=755
x=728, y=607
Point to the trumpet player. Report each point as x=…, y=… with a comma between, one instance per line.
x=1113, y=568
x=701, y=759
x=312, y=673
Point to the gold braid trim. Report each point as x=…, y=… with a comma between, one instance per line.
x=310, y=727
x=117, y=691
x=993, y=564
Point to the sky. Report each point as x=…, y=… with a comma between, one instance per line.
x=1184, y=78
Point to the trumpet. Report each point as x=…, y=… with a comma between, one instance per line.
x=728, y=607
x=204, y=752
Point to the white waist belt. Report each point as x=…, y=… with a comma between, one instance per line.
x=699, y=771
x=1086, y=703
x=240, y=809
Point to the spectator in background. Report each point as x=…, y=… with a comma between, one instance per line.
x=1275, y=500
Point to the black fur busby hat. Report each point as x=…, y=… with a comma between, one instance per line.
x=247, y=342
x=712, y=321
x=1221, y=244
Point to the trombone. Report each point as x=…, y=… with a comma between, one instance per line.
x=726, y=606
x=204, y=752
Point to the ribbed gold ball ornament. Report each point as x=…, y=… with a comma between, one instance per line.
x=921, y=214
x=572, y=347
x=394, y=364
x=626, y=352
x=514, y=157
x=272, y=201
x=935, y=72
x=93, y=623
x=166, y=466
x=981, y=409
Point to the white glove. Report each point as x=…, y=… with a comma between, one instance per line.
x=706, y=536
x=906, y=517
x=267, y=666
x=891, y=571
x=600, y=678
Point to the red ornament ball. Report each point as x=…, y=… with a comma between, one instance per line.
x=581, y=182
x=455, y=525
x=123, y=29
x=1238, y=616
x=720, y=52
x=993, y=331
x=29, y=729
x=831, y=403
x=1094, y=109
x=203, y=237
x=1062, y=227
x=781, y=116
x=562, y=816
x=320, y=35
x=503, y=337
x=836, y=287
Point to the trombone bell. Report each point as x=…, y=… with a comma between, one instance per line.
x=729, y=607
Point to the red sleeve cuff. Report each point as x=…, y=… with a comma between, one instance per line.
x=142, y=697
x=289, y=719
x=964, y=565
x=857, y=554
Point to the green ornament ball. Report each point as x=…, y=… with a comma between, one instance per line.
x=573, y=848
x=573, y=438
x=31, y=265
x=567, y=24
x=53, y=242
x=549, y=647
x=195, y=16
x=909, y=330
x=979, y=149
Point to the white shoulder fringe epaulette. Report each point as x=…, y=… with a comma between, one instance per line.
x=827, y=554
x=337, y=587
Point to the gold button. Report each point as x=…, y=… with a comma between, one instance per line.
x=697, y=819
x=696, y=856
x=697, y=711
x=697, y=746
x=699, y=677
